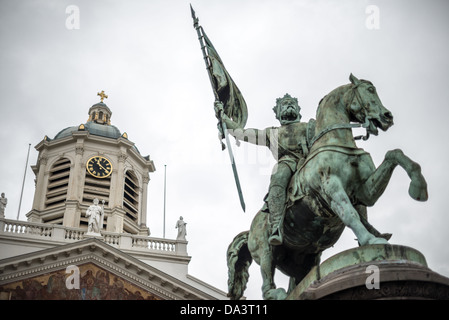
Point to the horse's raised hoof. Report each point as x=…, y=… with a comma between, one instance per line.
x=275, y=294
x=418, y=190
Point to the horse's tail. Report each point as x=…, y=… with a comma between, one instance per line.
x=239, y=259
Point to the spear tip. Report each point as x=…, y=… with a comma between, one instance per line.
x=192, y=11
x=195, y=19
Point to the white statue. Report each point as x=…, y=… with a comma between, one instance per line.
x=181, y=226
x=95, y=213
x=3, y=203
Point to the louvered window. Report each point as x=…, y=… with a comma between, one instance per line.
x=131, y=196
x=58, y=183
x=96, y=188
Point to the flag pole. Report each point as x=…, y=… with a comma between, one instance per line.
x=200, y=33
x=23, y=183
x=165, y=195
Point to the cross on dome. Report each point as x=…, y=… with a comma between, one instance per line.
x=102, y=95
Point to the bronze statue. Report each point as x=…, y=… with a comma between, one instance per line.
x=329, y=191
x=289, y=147
x=321, y=184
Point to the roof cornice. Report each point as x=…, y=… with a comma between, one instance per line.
x=103, y=255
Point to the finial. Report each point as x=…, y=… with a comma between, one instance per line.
x=102, y=95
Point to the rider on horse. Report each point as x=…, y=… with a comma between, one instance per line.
x=289, y=147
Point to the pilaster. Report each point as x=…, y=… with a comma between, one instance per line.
x=39, y=194
x=143, y=203
x=75, y=190
x=115, y=220
x=117, y=182
x=72, y=214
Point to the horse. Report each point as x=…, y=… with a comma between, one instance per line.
x=329, y=191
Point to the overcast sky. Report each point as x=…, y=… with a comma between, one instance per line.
x=145, y=55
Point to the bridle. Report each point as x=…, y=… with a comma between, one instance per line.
x=348, y=125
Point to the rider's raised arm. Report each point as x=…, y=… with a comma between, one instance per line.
x=255, y=136
x=251, y=135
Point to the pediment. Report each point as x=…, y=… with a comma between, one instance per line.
x=104, y=273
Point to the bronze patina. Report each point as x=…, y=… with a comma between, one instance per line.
x=322, y=181
x=328, y=191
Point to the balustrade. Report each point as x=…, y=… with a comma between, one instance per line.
x=67, y=234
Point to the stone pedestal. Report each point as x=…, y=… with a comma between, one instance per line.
x=93, y=235
x=373, y=272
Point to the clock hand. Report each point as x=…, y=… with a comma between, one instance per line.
x=98, y=162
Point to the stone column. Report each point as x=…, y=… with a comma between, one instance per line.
x=41, y=183
x=117, y=182
x=143, y=202
x=75, y=190
x=72, y=213
x=115, y=220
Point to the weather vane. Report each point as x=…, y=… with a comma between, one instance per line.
x=102, y=95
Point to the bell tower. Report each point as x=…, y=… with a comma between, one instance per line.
x=88, y=161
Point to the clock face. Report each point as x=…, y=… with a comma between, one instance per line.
x=99, y=167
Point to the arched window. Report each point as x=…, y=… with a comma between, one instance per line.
x=131, y=196
x=58, y=183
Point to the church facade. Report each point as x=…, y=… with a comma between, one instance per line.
x=56, y=255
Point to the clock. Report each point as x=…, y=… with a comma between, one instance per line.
x=99, y=167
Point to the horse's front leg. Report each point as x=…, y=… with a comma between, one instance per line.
x=418, y=185
x=375, y=184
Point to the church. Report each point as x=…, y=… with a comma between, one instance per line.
x=86, y=236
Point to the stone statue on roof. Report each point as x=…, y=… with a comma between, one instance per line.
x=95, y=213
x=3, y=203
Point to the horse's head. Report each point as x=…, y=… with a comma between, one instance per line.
x=367, y=108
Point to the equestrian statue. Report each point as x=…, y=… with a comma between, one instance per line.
x=322, y=181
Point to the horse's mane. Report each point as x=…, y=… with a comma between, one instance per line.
x=335, y=96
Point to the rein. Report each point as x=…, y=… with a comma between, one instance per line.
x=346, y=125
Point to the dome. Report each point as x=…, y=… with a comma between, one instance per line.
x=65, y=132
x=100, y=105
x=98, y=124
x=108, y=131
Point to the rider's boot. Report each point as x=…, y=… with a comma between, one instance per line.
x=276, y=205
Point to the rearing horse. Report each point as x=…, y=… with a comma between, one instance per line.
x=328, y=192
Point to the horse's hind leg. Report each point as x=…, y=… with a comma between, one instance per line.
x=267, y=268
x=341, y=205
x=304, y=264
x=364, y=219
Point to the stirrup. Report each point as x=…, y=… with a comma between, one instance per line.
x=276, y=238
